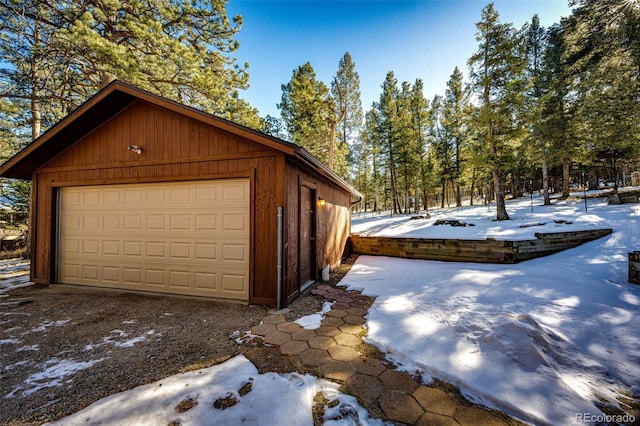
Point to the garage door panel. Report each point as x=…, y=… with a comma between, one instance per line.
x=185, y=238
x=206, y=281
x=110, y=274
x=233, y=283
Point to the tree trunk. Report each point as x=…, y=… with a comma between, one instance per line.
x=332, y=141
x=426, y=199
x=443, y=192
x=36, y=119
x=565, y=177
x=545, y=173
x=458, y=196
x=473, y=184
x=501, y=208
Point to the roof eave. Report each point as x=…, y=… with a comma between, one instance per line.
x=316, y=164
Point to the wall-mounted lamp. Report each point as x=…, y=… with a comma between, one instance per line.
x=135, y=148
x=321, y=201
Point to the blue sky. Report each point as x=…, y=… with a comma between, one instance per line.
x=423, y=39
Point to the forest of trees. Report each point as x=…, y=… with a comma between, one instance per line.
x=540, y=108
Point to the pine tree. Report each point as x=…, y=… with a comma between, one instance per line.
x=345, y=91
x=442, y=151
x=366, y=155
x=420, y=125
x=496, y=70
x=536, y=45
x=389, y=134
x=555, y=108
x=56, y=55
x=455, y=104
x=306, y=109
x=604, y=52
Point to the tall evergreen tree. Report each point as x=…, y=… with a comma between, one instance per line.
x=442, y=151
x=389, y=134
x=56, y=55
x=555, y=106
x=345, y=91
x=496, y=71
x=420, y=124
x=536, y=45
x=367, y=169
x=454, y=111
x=604, y=55
x=306, y=108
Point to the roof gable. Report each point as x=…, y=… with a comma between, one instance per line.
x=115, y=98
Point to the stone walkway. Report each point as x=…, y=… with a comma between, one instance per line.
x=336, y=350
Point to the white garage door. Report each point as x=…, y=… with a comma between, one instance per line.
x=181, y=237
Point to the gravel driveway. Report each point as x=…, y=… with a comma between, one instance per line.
x=64, y=347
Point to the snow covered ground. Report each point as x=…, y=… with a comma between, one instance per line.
x=543, y=340
x=231, y=393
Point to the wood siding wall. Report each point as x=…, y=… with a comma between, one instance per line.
x=333, y=224
x=174, y=147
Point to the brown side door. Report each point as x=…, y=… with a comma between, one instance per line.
x=307, y=246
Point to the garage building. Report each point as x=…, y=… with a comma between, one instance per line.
x=136, y=192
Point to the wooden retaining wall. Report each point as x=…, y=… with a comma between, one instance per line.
x=476, y=251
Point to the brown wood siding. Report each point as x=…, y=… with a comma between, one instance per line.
x=174, y=147
x=333, y=224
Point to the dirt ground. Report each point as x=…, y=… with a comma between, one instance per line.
x=64, y=347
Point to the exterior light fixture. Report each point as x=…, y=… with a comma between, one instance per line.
x=321, y=202
x=135, y=148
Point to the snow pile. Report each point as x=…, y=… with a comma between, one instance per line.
x=542, y=340
x=232, y=393
x=313, y=321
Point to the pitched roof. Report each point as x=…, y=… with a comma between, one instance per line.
x=113, y=99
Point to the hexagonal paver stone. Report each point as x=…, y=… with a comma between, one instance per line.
x=303, y=334
x=337, y=313
x=364, y=386
x=333, y=321
x=433, y=419
x=370, y=366
x=400, y=407
x=322, y=342
x=400, y=381
x=273, y=319
x=340, y=306
x=360, y=302
x=354, y=319
x=314, y=357
x=319, y=291
x=327, y=330
x=355, y=329
x=468, y=416
x=294, y=347
x=288, y=327
x=277, y=338
x=263, y=329
x=357, y=311
x=337, y=370
x=350, y=340
x=343, y=353
x=435, y=400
